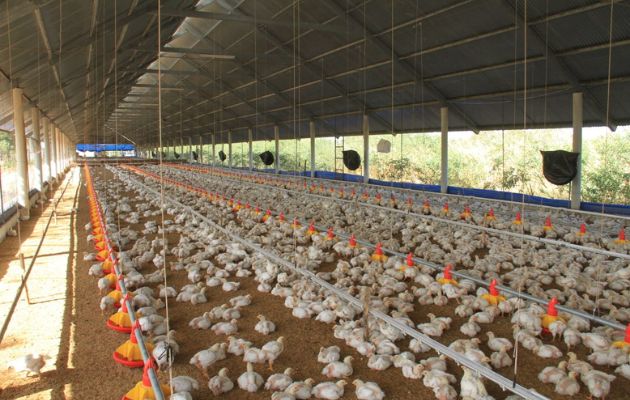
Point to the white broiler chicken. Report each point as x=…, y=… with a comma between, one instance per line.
x=328, y=354
x=339, y=369
x=225, y=328
x=367, y=390
x=184, y=383
x=329, y=390
x=264, y=326
x=279, y=382
x=273, y=349
x=250, y=380
x=301, y=390
x=220, y=383
x=471, y=386
x=205, y=358
x=30, y=363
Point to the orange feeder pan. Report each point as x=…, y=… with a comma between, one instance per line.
x=625, y=343
x=128, y=353
x=102, y=255
x=494, y=297
x=120, y=321
x=311, y=229
x=378, y=255
x=143, y=389
x=551, y=315
x=447, y=277
x=116, y=294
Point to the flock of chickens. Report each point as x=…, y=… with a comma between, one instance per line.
x=213, y=263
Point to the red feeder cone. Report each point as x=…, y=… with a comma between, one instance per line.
x=548, y=226
x=466, y=213
x=518, y=220
x=408, y=262
x=445, y=209
x=330, y=235
x=120, y=321
x=582, y=231
x=490, y=216
x=625, y=343
x=296, y=223
x=266, y=216
x=248, y=206
x=116, y=294
x=378, y=255
x=621, y=238
x=426, y=207
x=551, y=315
x=353, y=241
x=281, y=217
x=311, y=229
x=493, y=297
x=128, y=353
x=237, y=207
x=143, y=389
x=447, y=277
x=257, y=210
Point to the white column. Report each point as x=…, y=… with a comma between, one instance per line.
x=311, y=131
x=576, y=184
x=276, y=137
x=444, y=146
x=190, y=149
x=214, y=154
x=181, y=146
x=366, y=149
x=46, y=152
x=200, y=149
x=229, y=149
x=58, y=166
x=21, y=158
x=250, y=151
x=53, y=152
x=37, y=150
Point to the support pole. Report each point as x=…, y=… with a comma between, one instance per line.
x=250, y=152
x=276, y=137
x=190, y=149
x=46, y=152
x=311, y=131
x=229, y=149
x=53, y=152
x=200, y=154
x=444, y=146
x=37, y=150
x=576, y=184
x=21, y=159
x=214, y=154
x=366, y=149
x=181, y=146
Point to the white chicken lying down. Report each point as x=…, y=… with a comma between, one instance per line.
x=30, y=363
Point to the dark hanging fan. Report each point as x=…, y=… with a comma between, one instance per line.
x=267, y=157
x=559, y=166
x=222, y=155
x=153, y=154
x=176, y=154
x=195, y=155
x=351, y=159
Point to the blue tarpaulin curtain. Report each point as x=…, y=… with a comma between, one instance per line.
x=105, y=147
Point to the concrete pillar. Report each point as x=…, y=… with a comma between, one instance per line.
x=58, y=166
x=53, y=152
x=21, y=157
x=200, y=149
x=37, y=150
x=250, y=148
x=366, y=149
x=276, y=138
x=444, y=146
x=214, y=148
x=46, y=152
x=190, y=148
x=229, y=149
x=576, y=184
x=311, y=131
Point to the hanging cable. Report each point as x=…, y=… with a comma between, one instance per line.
x=161, y=169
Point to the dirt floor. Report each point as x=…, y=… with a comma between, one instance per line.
x=84, y=368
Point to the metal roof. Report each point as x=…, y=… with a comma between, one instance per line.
x=234, y=65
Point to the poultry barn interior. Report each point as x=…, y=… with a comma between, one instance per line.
x=210, y=199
